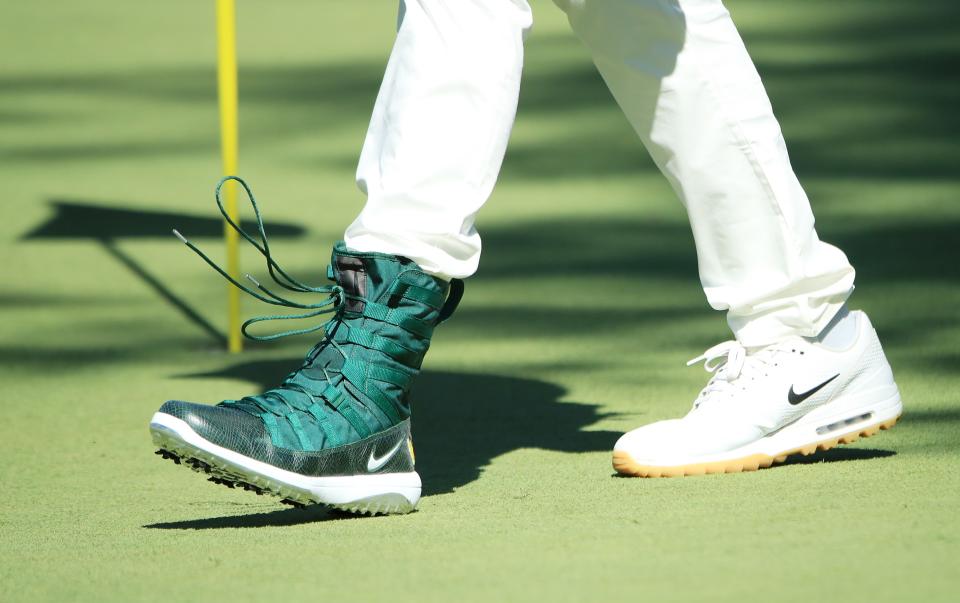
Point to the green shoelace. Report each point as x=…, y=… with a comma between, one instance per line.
x=297, y=392
x=335, y=294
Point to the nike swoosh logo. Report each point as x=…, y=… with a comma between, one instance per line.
x=794, y=398
x=374, y=463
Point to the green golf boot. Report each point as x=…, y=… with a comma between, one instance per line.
x=337, y=430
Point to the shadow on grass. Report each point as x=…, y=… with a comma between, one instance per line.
x=835, y=455
x=285, y=517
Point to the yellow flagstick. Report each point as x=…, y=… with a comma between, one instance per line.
x=227, y=89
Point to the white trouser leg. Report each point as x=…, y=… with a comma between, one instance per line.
x=439, y=131
x=679, y=70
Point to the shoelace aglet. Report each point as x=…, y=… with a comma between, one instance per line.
x=182, y=238
x=252, y=280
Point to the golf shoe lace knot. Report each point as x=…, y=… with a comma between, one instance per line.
x=731, y=362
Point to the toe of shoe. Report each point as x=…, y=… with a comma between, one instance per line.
x=224, y=426
x=650, y=441
x=680, y=441
x=178, y=408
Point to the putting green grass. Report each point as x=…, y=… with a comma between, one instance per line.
x=575, y=329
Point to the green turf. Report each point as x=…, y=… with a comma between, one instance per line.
x=575, y=329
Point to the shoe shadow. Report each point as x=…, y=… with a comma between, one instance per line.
x=284, y=517
x=835, y=455
x=461, y=422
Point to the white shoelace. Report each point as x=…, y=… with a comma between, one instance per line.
x=729, y=362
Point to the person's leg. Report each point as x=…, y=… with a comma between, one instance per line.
x=336, y=431
x=439, y=131
x=804, y=373
x=682, y=75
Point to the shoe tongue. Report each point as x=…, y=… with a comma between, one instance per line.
x=350, y=274
x=364, y=275
x=371, y=277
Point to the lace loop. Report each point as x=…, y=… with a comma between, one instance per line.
x=729, y=355
x=731, y=365
x=335, y=293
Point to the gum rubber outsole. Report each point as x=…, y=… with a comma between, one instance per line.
x=219, y=473
x=624, y=464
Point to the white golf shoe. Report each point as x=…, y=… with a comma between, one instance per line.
x=762, y=405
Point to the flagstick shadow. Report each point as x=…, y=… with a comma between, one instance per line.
x=163, y=291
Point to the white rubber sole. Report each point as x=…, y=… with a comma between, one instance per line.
x=843, y=421
x=373, y=494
